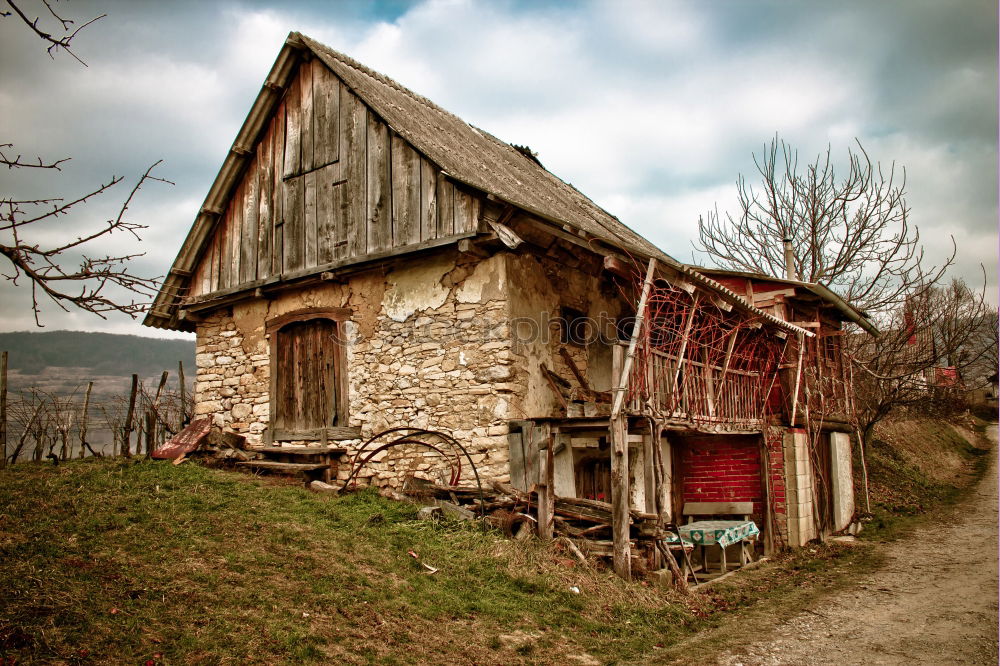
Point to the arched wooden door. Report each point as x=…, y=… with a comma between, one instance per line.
x=308, y=382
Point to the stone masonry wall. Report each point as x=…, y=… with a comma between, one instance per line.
x=428, y=346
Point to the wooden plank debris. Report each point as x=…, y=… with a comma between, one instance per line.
x=184, y=442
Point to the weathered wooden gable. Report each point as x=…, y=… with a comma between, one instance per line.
x=329, y=182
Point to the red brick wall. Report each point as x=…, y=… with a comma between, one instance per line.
x=722, y=469
x=776, y=455
x=727, y=468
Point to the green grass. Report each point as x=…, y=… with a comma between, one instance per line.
x=124, y=561
x=113, y=561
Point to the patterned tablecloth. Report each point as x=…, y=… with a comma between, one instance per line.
x=710, y=532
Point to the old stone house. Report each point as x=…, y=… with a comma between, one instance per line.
x=365, y=259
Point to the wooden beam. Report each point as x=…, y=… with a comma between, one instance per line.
x=575, y=370
x=798, y=378
x=621, y=386
x=551, y=378
x=684, y=339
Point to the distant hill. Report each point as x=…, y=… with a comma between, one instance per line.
x=32, y=352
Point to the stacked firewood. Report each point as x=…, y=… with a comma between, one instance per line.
x=586, y=521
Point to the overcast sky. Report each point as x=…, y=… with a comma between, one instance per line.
x=651, y=109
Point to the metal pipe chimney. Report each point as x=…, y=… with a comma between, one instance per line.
x=789, y=259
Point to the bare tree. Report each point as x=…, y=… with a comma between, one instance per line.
x=938, y=329
x=851, y=233
x=66, y=271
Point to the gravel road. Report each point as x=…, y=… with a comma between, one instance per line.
x=935, y=602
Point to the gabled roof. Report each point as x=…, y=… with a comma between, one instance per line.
x=476, y=157
x=465, y=153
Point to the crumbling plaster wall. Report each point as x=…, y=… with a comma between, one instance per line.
x=428, y=345
x=540, y=288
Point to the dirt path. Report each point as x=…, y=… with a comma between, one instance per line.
x=935, y=602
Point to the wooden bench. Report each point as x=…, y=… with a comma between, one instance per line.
x=721, y=511
x=717, y=509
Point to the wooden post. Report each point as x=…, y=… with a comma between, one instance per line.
x=649, y=472
x=765, y=466
x=798, y=378
x=127, y=427
x=3, y=410
x=83, y=421
x=620, y=517
x=150, y=431
x=661, y=489
x=183, y=394
x=684, y=340
x=546, y=491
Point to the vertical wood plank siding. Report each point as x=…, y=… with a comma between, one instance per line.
x=327, y=181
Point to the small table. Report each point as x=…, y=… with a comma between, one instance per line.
x=722, y=533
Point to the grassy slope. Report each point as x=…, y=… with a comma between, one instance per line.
x=917, y=465
x=116, y=561
x=106, y=561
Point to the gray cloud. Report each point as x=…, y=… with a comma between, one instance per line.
x=650, y=108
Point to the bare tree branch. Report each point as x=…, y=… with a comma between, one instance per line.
x=47, y=268
x=55, y=42
x=52, y=270
x=16, y=162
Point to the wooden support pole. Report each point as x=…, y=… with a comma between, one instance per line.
x=150, y=431
x=661, y=486
x=3, y=409
x=684, y=340
x=542, y=435
x=620, y=518
x=159, y=388
x=621, y=386
x=129, y=414
x=765, y=453
x=798, y=378
x=729, y=358
x=649, y=472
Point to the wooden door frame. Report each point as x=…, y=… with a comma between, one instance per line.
x=340, y=428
